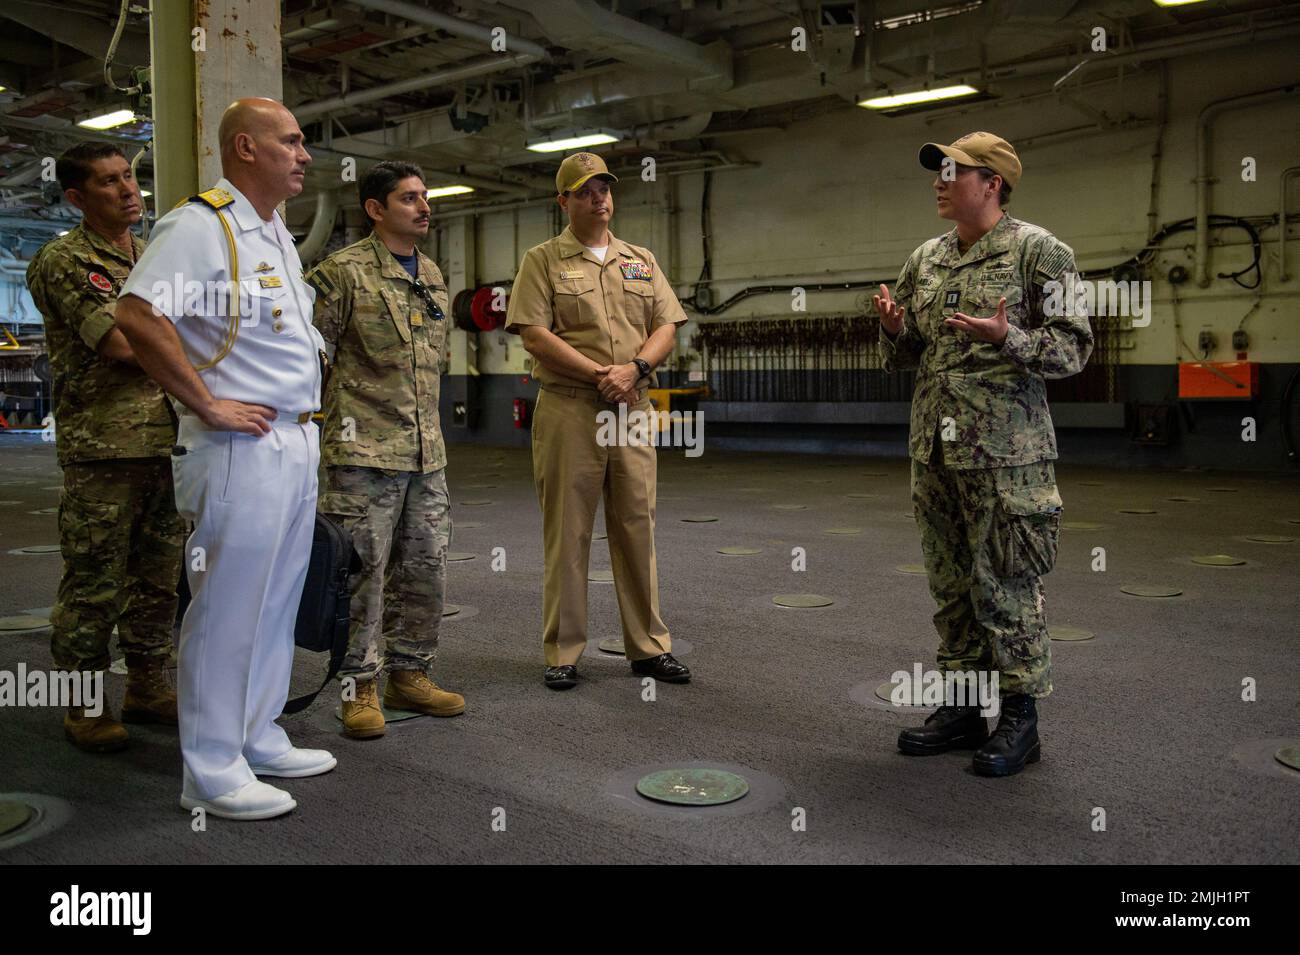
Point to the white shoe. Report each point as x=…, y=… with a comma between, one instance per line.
x=297, y=762
x=250, y=801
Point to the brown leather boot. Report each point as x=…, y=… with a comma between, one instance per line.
x=94, y=734
x=362, y=718
x=150, y=696
x=413, y=690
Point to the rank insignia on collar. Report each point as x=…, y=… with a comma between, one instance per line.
x=100, y=281
x=951, y=298
x=269, y=281
x=264, y=267
x=636, y=270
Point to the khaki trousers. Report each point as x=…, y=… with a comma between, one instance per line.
x=572, y=469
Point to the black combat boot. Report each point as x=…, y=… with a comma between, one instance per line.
x=1015, y=740
x=949, y=727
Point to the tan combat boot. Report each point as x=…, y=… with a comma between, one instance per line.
x=150, y=697
x=362, y=718
x=413, y=690
x=94, y=734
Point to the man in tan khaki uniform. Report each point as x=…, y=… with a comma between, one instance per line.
x=598, y=316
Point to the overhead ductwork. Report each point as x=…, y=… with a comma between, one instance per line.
x=586, y=27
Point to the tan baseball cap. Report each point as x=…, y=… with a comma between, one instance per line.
x=578, y=168
x=976, y=149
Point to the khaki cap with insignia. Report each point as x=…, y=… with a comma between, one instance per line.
x=976, y=149
x=578, y=168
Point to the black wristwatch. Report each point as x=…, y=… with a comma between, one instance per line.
x=642, y=366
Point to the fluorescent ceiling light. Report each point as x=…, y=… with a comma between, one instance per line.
x=572, y=142
x=118, y=117
x=895, y=101
x=440, y=192
x=1176, y=3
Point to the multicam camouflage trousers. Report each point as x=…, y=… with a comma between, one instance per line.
x=400, y=523
x=988, y=536
x=121, y=540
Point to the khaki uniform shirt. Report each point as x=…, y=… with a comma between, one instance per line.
x=995, y=395
x=605, y=311
x=381, y=400
x=103, y=409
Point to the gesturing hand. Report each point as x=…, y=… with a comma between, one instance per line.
x=891, y=313
x=992, y=329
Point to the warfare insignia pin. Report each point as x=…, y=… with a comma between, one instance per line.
x=264, y=267
x=951, y=298
x=100, y=281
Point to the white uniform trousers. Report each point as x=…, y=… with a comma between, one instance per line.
x=253, y=503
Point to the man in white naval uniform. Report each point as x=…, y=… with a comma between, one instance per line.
x=246, y=456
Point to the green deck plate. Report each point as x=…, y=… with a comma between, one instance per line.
x=1270, y=538
x=1082, y=525
x=450, y=610
x=612, y=645
x=23, y=622
x=1150, y=590
x=1289, y=756
x=14, y=815
x=844, y=530
x=1218, y=560
x=802, y=600
x=692, y=787
x=1136, y=510
x=460, y=556
x=739, y=551
x=699, y=519
x=390, y=716
x=910, y=568
x=37, y=549
x=1070, y=634
x=601, y=576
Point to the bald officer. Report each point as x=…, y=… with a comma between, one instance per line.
x=246, y=456
x=598, y=316
x=972, y=311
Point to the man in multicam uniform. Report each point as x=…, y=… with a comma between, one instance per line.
x=970, y=311
x=380, y=305
x=118, y=528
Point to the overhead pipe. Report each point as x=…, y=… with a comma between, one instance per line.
x=453, y=25
x=1203, y=121
x=481, y=66
x=322, y=225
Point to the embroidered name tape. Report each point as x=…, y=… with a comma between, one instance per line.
x=577, y=274
x=636, y=270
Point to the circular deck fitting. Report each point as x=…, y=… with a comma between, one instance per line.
x=14, y=815
x=791, y=507
x=739, y=551
x=693, y=787
x=1136, y=510
x=1070, y=634
x=1081, y=526
x=467, y=525
x=844, y=530
x=477, y=503
x=1218, y=560
x=460, y=556
x=1270, y=538
x=699, y=519
x=1150, y=590
x=910, y=568
x=1289, y=756
x=22, y=623
x=1183, y=500
x=601, y=576
x=802, y=600
x=612, y=645
x=450, y=610
x=37, y=549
